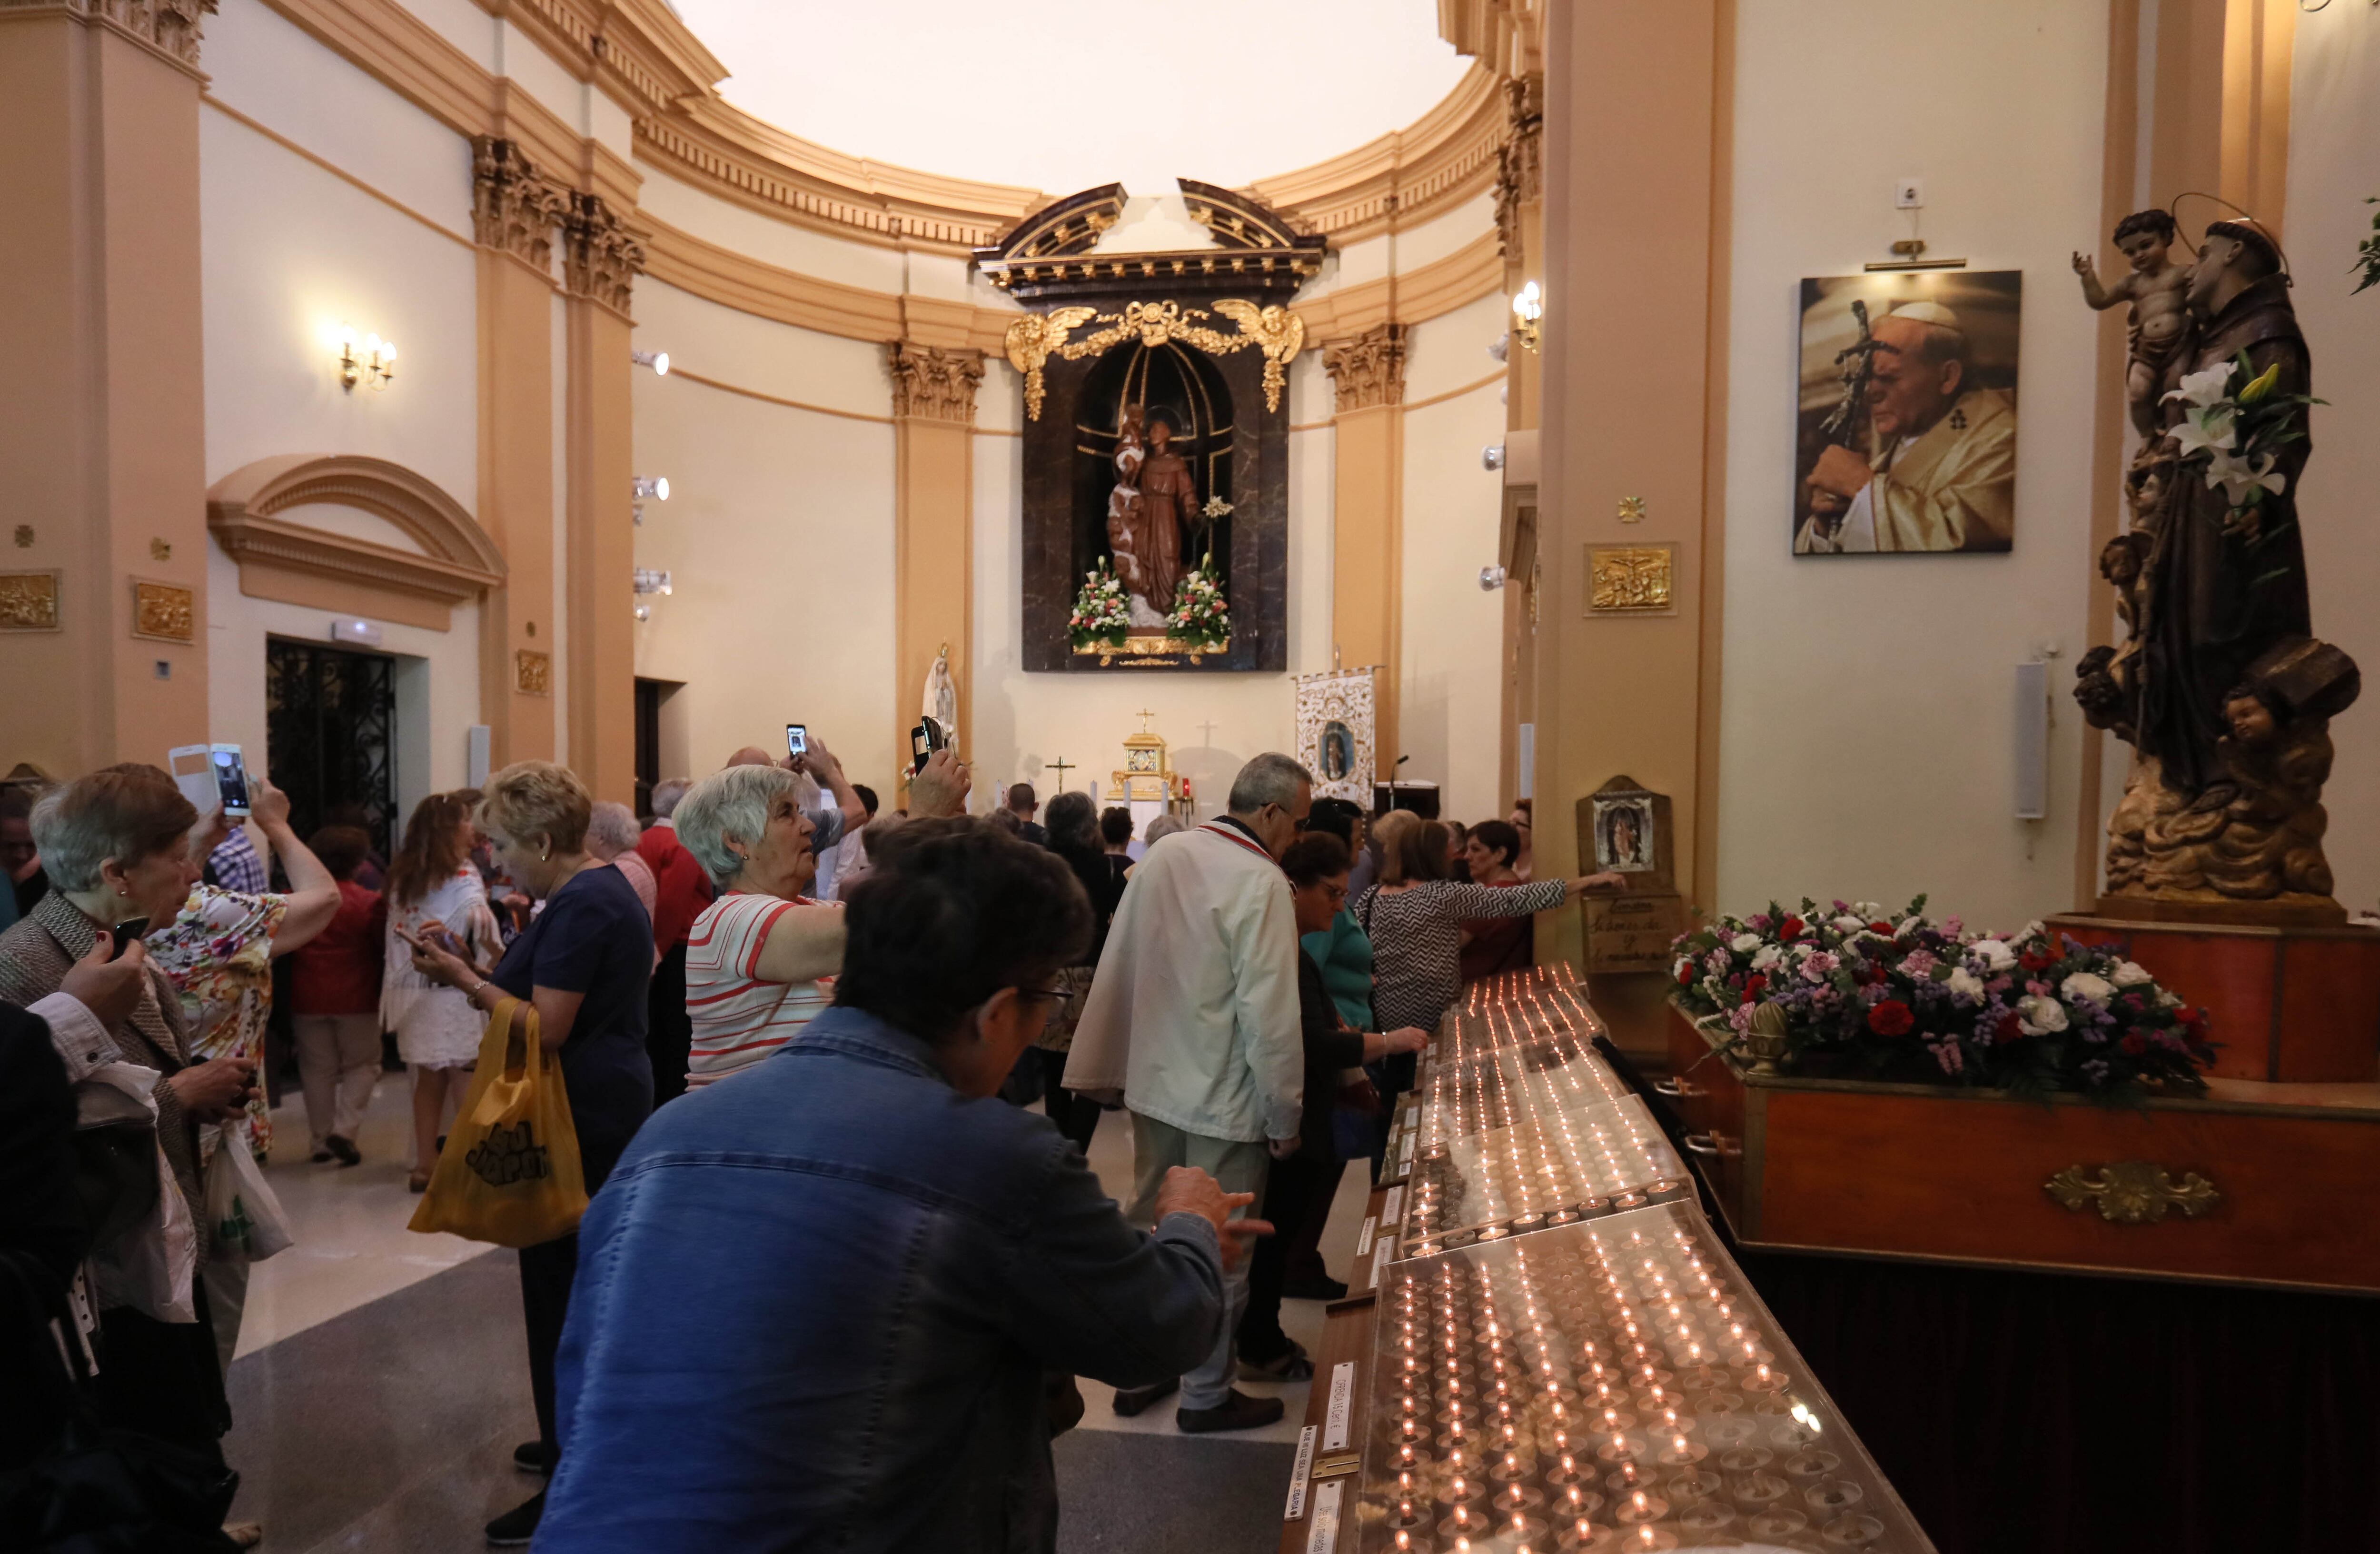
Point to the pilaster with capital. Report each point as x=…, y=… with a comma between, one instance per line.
x=513, y=207
x=933, y=521
x=932, y=384
x=600, y=258
x=1367, y=369
x=1520, y=161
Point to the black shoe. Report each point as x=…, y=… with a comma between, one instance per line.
x=1323, y=1289
x=1291, y=1364
x=1237, y=1412
x=516, y=1526
x=535, y=1456
x=1130, y=1401
x=321, y=1156
x=345, y=1148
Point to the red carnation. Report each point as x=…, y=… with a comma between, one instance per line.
x=1685, y=974
x=1880, y=926
x=2193, y=1024
x=2132, y=1044
x=1753, y=986
x=1890, y=1018
x=1790, y=930
x=2034, y=960
x=2008, y=1031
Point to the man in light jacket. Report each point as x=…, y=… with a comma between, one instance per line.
x=1192, y=1022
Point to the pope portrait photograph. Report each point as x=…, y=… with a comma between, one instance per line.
x=1907, y=427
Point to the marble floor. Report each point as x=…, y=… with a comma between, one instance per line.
x=380, y=1384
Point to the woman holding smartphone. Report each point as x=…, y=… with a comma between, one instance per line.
x=583, y=963
x=434, y=892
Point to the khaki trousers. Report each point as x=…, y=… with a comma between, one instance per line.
x=1156, y=1148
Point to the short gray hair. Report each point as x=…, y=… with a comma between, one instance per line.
x=1163, y=826
x=1270, y=778
x=730, y=803
x=611, y=829
x=666, y=794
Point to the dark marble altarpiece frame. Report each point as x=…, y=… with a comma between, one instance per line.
x=1063, y=540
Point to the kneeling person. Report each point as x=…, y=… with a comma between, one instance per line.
x=817, y=1306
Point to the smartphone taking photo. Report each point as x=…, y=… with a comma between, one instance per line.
x=923, y=740
x=797, y=739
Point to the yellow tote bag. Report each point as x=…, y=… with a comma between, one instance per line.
x=510, y=1172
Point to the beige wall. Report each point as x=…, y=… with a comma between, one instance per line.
x=778, y=533
x=1866, y=712
x=2334, y=166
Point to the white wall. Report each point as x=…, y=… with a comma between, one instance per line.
x=1866, y=709
x=2334, y=166
x=1450, y=708
x=778, y=534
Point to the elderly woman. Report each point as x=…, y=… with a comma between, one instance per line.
x=759, y=957
x=116, y=846
x=612, y=837
x=1074, y=836
x=583, y=963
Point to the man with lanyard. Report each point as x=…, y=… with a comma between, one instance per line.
x=1192, y=1022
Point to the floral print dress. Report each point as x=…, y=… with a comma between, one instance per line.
x=218, y=953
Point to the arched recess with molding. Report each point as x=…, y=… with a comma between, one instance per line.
x=297, y=563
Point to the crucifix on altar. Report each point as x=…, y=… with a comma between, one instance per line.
x=1061, y=766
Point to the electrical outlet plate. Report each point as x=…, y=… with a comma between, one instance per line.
x=1908, y=194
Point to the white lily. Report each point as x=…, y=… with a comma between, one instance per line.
x=2206, y=431
x=2238, y=477
x=2203, y=389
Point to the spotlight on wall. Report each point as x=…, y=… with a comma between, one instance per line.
x=1501, y=348
x=369, y=360
x=1528, y=308
x=642, y=488
x=1491, y=457
x=657, y=360
x=646, y=580
x=1491, y=579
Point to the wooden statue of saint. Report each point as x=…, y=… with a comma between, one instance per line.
x=1154, y=494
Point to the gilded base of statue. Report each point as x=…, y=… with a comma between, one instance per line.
x=1154, y=650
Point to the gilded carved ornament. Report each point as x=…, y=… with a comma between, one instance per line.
x=1631, y=578
x=600, y=258
x=1520, y=158
x=171, y=26
x=1274, y=330
x=1367, y=369
x=2133, y=1191
x=931, y=384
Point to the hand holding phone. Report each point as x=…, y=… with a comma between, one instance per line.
x=129, y=932
x=797, y=739
x=923, y=740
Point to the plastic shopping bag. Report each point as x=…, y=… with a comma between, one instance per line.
x=243, y=1216
x=510, y=1172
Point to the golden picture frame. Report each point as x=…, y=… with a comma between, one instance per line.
x=1631, y=579
x=532, y=672
x=165, y=612
x=29, y=601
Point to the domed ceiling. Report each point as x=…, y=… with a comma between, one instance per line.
x=1063, y=94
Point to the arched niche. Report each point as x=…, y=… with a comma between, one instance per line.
x=301, y=563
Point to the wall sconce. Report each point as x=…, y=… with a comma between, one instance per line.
x=657, y=360
x=1491, y=579
x=646, y=580
x=371, y=359
x=1528, y=308
x=1491, y=457
x=644, y=487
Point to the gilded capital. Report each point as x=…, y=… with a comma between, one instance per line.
x=600, y=258
x=169, y=26
x=934, y=385
x=513, y=208
x=1520, y=159
x=1367, y=369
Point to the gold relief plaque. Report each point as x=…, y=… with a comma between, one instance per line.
x=532, y=673
x=164, y=612
x=29, y=601
x=1630, y=579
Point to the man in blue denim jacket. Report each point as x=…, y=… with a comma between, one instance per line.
x=818, y=1303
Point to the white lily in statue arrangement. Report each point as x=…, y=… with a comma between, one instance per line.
x=1102, y=611
x=1200, y=615
x=2233, y=426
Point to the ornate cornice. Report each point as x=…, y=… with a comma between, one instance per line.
x=1507, y=36
x=600, y=258
x=171, y=27
x=1520, y=161
x=1368, y=369
x=1402, y=177
x=513, y=208
x=933, y=385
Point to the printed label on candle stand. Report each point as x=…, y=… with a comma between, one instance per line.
x=1342, y=1397
x=1389, y=1207
x=1364, y=1242
x=1298, y=1476
x=1381, y=1256
x=1323, y=1533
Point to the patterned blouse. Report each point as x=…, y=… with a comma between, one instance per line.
x=218, y=954
x=1416, y=937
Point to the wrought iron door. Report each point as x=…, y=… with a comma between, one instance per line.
x=330, y=734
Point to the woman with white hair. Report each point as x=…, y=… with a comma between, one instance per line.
x=612, y=837
x=760, y=959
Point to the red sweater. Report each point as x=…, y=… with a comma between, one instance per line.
x=680, y=888
x=338, y=971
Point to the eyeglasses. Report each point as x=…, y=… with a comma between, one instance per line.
x=1060, y=994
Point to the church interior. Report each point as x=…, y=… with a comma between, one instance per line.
x=1866, y=493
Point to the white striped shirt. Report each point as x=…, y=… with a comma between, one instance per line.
x=738, y=1019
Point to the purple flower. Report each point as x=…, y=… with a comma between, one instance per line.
x=2096, y=1070
x=1947, y=1054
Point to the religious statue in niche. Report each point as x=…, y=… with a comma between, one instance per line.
x=1154, y=393
x=2219, y=685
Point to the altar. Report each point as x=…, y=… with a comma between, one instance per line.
x=1147, y=784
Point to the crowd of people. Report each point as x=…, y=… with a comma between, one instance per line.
x=801, y=1043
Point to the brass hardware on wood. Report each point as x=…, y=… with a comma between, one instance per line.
x=2133, y=1191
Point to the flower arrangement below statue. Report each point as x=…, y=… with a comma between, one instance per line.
x=1102, y=614
x=1200, y=618
x=1865, y=995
